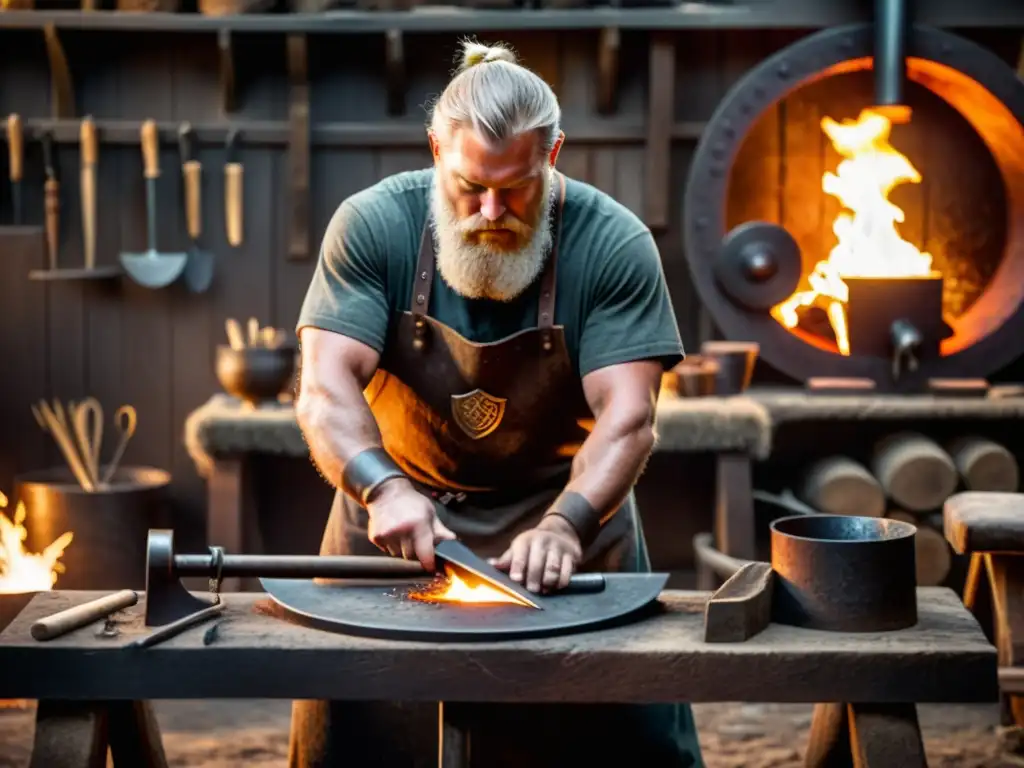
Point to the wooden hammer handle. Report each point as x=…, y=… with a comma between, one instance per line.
x=150, y=149
x=90, y=146
x=16, y=146
x=193, y=173
x=233, y=179
x=71, y=619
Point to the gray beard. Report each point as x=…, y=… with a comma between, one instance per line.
x=478, y=271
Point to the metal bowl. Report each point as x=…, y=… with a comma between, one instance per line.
x=255, y=374
x=843, y=573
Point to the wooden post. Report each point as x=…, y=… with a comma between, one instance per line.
x=661, y=102
x=298, y=149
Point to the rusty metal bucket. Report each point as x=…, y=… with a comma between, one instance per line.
x=843, y=573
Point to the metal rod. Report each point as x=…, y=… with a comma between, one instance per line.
x=179, y=626
x=890, y=63
x=330, y=567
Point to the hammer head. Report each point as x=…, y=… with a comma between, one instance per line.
x=153, y=269
x=167, y=599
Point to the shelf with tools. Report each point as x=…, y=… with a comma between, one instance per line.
x=755, y=14
x=383, y=133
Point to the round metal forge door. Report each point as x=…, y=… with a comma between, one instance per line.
x=387, y=611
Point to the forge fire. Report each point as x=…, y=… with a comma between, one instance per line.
x=21, y=570
x=868, y=241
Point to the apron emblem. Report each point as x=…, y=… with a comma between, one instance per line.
x=478, y=413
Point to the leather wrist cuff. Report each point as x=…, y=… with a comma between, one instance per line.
x=579, y=513
x=366, y=471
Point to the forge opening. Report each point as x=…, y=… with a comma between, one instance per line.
x=934, y=193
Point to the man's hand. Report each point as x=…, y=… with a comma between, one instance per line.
x=403, y=523
x=544, y=557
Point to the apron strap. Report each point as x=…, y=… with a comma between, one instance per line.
x=419, y=303
x=546, y=304
x=423, y=280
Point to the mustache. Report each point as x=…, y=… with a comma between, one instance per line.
x=478, y=223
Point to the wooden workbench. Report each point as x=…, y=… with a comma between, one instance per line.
x=663, y=658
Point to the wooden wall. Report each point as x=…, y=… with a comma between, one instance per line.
x=154, y=349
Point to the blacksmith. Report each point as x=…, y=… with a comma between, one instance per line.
x=482, y=346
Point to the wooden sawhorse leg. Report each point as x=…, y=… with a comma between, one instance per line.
x=78, y=734
x=865, y=736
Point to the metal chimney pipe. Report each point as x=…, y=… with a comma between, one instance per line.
x=890, y=62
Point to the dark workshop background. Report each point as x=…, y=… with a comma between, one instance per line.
x=154, y=349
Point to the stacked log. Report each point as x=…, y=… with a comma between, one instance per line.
x=838, y=485
x=915, y=471
x=933, y=556
x=909, y=478
x=984, y=465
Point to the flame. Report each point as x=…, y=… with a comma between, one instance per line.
x=868, y=243
x=20, y=570
x=456, y=589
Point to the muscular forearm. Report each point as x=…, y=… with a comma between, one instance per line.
x=611, y=459
x=337, y=423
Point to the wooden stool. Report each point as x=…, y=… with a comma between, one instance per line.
x=989, y=527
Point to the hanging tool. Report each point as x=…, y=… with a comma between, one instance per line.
x=233, y=178
x=51, y=190
x=70, y=619
x=151, y=268
x=16, y=149
x=199, y=270
x=90, y=155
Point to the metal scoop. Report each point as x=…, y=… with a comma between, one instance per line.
x=152, y=269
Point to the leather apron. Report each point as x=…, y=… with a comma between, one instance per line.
x=489, y=431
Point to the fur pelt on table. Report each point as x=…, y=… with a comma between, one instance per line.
x=223, y=427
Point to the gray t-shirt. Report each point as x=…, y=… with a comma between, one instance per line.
x=611, y=295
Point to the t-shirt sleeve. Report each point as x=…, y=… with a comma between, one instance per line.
x=630, y=315
x=348, y=292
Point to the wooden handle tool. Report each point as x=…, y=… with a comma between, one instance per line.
x=150, y=150
x=16, y=147
x=80, y=615
x=51, y=190
x=16, y=150
x=192, y=174
x=90, y=155
x=233, y=179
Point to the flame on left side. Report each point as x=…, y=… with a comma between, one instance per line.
x=455, y=589
x=23, y=571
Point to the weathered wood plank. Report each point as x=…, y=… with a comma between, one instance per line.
x=662, y=658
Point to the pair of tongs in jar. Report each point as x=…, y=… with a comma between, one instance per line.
x=81, y=440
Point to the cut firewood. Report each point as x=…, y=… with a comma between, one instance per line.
x=984, y=465
x=914, y=471
x=838, y=485
x=932, y=554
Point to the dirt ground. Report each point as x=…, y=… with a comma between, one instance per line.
x=230, y=734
